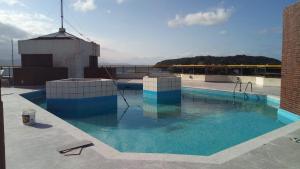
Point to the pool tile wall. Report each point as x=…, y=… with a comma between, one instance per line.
x=162, y=90
x=161, y=83
x=81, y=97
x=78, y=89
x=287, y=117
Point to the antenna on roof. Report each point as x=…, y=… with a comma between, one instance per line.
x=62, y=29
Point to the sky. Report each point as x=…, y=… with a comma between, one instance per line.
x=148, y=31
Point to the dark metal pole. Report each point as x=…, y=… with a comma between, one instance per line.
x=12, y=53
x=12, y=61
x=2, y=145
x=62, y=13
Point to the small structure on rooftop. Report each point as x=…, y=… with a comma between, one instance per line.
x=55, y=56
x=59, y=55
x=60, y=49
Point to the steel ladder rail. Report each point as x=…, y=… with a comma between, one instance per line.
x=117, y=87
x=245, y=94
x=238, y=82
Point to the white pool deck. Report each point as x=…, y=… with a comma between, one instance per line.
x=35, y=147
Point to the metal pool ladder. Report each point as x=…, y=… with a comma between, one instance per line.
x=245, y=94
x=115, y=83
x=238, y=82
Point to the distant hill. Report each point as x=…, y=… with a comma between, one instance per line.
x=224, y=60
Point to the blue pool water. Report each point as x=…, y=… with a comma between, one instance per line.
x=205, y=122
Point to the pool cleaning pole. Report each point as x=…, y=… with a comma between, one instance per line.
x=2, y=145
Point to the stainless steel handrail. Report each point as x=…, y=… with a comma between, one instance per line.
x=247, y=87
x=245, y=94
x=238, y=82
x=116, y=85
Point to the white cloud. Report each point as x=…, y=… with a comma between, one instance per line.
x=120, y=1
x=223, y=32
x=21, y=25
x=213, y=17
x=12, y=2
x=84, y=5
x=273, y=30
x=32, y=23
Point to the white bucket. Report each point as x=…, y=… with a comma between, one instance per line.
x=28, y=116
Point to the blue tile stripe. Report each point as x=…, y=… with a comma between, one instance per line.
x=287, y=117
x=219, y=93
x=75, y=108
x=162, y=97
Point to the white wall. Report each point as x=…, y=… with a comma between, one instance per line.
x=261, y=81
x=219, y=78
x=192, y=77
x=71, y=53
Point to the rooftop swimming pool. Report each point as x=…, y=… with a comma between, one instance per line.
x=204, y=123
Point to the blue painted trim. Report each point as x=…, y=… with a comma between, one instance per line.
x=273, y=102
x=287, y=117
x=75, y=108
x=220, y=93
x=33, y=95
x=162, y=97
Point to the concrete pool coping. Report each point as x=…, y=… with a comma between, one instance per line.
x=217, y=158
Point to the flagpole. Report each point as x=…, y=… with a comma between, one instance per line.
x=2, y=145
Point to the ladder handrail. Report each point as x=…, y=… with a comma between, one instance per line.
x=236, y=83
x=116, y=86
x=247, y=87
x=245, y=94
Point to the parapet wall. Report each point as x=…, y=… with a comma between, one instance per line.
x=260, y=81
x=290, y=84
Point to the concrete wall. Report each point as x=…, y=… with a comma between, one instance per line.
x=290, y=84
x=191, y=77
x=246, y=79
x=71, y=53
x=219, y=78
x=261, y=81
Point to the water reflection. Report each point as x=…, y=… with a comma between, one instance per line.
x=107, y=119
x=156, y=110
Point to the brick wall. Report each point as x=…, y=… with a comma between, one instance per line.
x=290, y=84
